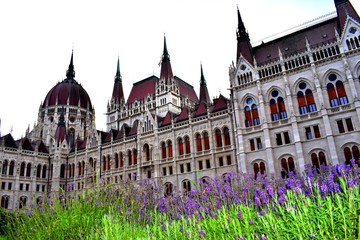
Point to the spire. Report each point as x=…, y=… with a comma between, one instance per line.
x=61, y=129
x=166, y=71
x=70, y=73
x=118, y=94
x=244, y=47
x=345, y=9
x=204, y=94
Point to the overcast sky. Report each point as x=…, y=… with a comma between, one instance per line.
x=37, y=38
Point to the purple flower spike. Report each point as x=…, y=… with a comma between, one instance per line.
x=202, y=233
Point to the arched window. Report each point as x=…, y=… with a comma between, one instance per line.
x=116, y=160
x=121, y=159
x=169, y=148
x=11, y=168
x=352, y=153
x=218, y=137
x=135, y=156
x=44, y=171
x=259, y=168
x=198, y=142
x=251, y=113
x=22, y=202
x=83, y=168
x=91, y=162
x=38, y=171
x=168, y=189
x=62, y=171
x=187, y=145
x=73, y=170
x=206, y=141
x=336, y=91
x=5, y=202
x=129, y=158
x=79, y=169
x=104, y=163
x=69, y=171
x=108, y=162
x=318, y=159
x=163, y=150
x=226, y=136
x=28, y=170
x=180, y=146
x=186, y=184
x=277, y=106
x=5, y=167
x=147, y=152
x=287, y=166
x=22, y=169
x=305, y=99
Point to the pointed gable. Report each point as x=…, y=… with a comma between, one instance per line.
x=133, y=130
x=118, y=93
x=201, y=110
x=42, y=148
x=111, y=135
x=166, y=73
x=184, y=115
x=8, y=141
x=102, y=135
x=220, y=104
x=26, y=145
x=344, y=10
x=204, y=94
x=167, y=120
x=142, y=89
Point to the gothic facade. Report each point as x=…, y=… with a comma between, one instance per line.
x=293, y=102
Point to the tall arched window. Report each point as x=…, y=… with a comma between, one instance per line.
x=147, y=152
x=206, y=141
x=5, y=202
x=287, y=166
x=187, y=145
x=5, y=167
x=198, y=142
x=251, y=113
x=129, y=158
x=135, y=156
x=168, y=189
x=277, y=106
x=226, y=136
x=62, y=171
x=83, y=168
x=116, y=160
x=73, y=170
x=218, y=137
x=121, y=159
x=38, y=171
x=22, y=169
x=305, y=99
x=79, y=169
x=318, y=159
x=169, y=149
x=259, y=168
x=69, y=170
x=180, y=146
x=352, y=153
x=11, y=168
x=44, y=171
x=163, y=150
x=186, y=184
x=22, y=202
x=104, y=163
x=336, y=91
x=28, y=170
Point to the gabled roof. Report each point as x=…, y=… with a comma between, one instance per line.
x=42, y=148
x=220, y=104
x=26, y=145
x=186, y=89
x=133, y=130
x=184, y=115
x=167, y=120
x=8, y=141
x=112, y=134
x=201, y=110
x=142, y=88
x=102, y=135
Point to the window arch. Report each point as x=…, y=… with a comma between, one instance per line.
x=198, y=142
x=11, y=168
x=28, y=170
x=318, y=159
x=22, y=169
x=187, y=145
x=169, y=187
x=287, y=166
x=218, y=137
x=22, y=202
x=104, y=163
x=305, y=99
x=169, y=149
x=206, y=141
x=259, y=168
x=5, y=202
x=180, y=146
x=62, y=171
x=5, y=167
x=38, y=171
x=108, y=162
x=116, y=160
x=134, y=156
x=129, y=157
x=44, y=171
x=147, y=152
x=251, y=113
x=79, y=169
x=163, y=150
x=336, y=91
x=277, y=106
x=186, y=184
x=121, y=160
x=69, y=170
x=226, y=136
x=352, y=153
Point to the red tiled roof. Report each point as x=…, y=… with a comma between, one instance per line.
x=142, y=88
x=184, y=115
x=186, y=89
x=201, y=110
x=345, y=9
x=102, y=135
x=221, y=104
x=167, y=120
x=133, y=130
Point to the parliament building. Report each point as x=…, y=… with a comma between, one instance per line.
x=294, y=101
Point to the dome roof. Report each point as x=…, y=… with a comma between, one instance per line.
x=68, y=92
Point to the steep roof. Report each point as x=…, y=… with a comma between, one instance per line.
x=184, y=115
x=8, y=141
x=118, y=93
x=220, y=104
x=201, y=110
x=186, y=89
x=142, y=88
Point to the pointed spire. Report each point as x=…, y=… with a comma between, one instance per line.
x=244, y=47
x=204, y=94
x=166, y=71
x=70, y=73
x=60, y=133
x=118, y=93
